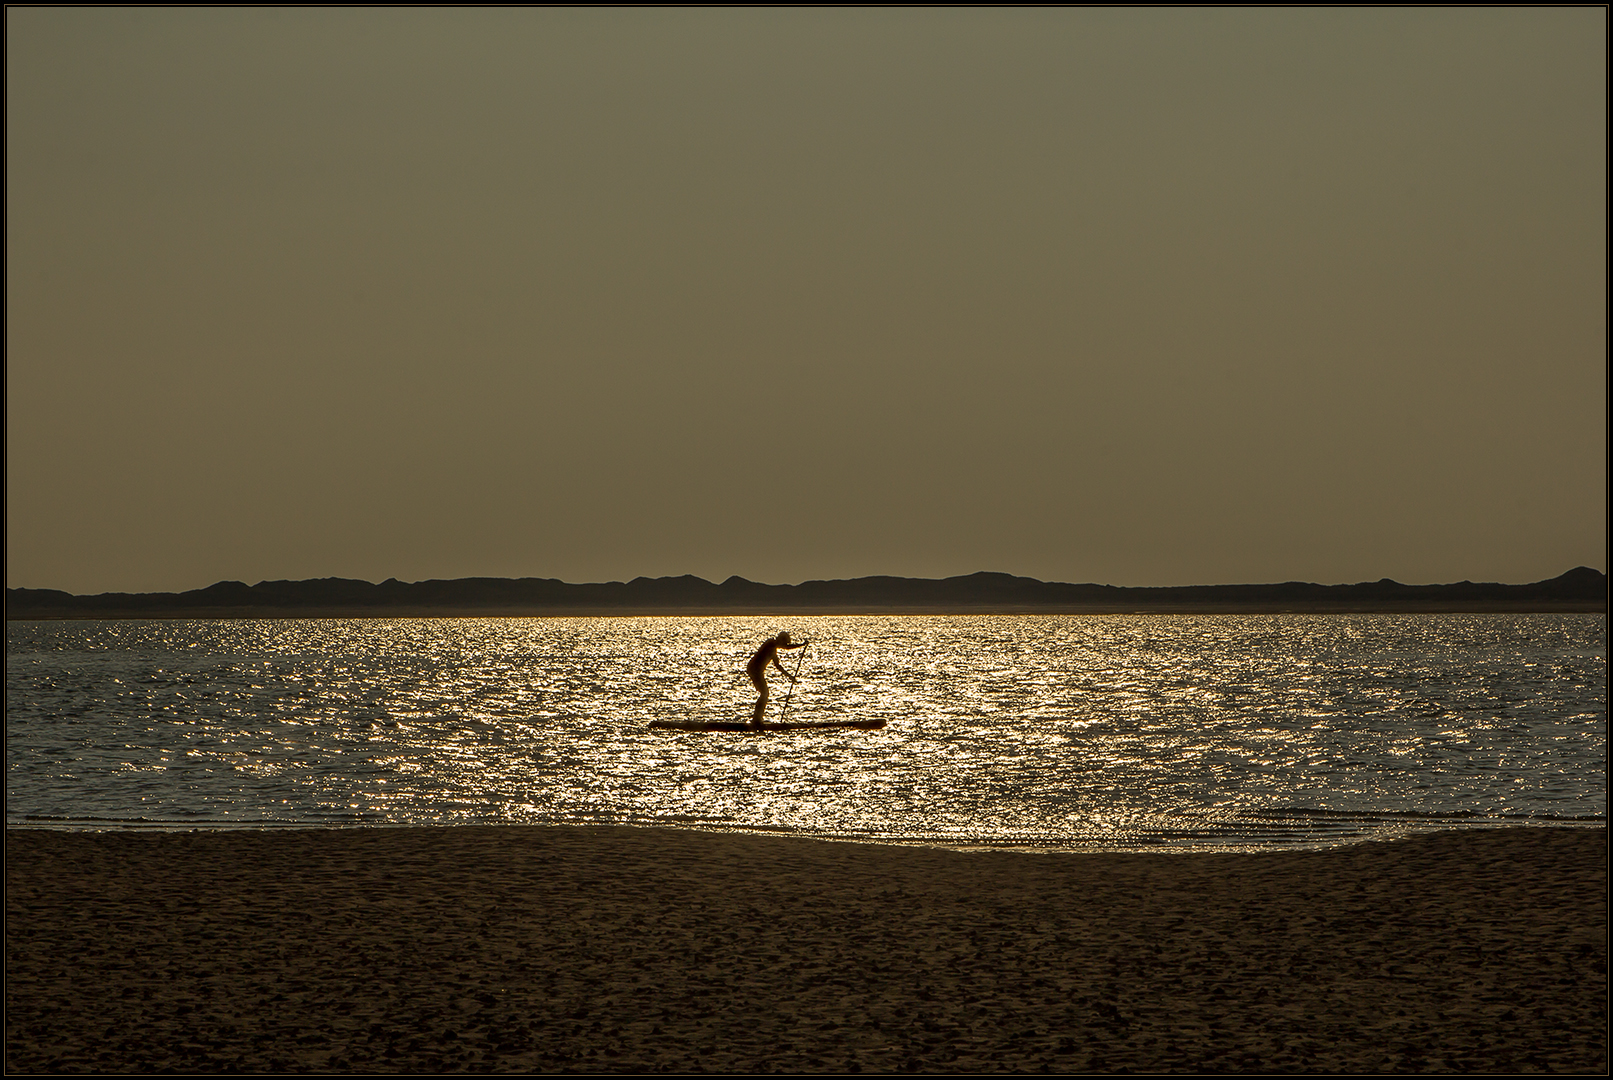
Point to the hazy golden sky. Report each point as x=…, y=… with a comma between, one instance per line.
x=1135, y=296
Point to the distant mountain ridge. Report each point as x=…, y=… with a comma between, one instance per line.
x=1580, y=589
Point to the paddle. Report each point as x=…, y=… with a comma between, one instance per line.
x=798, y=665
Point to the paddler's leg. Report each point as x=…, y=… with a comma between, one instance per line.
x=761, y=697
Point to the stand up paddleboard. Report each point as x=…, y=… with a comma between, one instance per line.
x=719, y=725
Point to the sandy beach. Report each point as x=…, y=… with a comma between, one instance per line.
x=620, y=950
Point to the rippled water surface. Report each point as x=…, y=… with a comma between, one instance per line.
x=1048, y=731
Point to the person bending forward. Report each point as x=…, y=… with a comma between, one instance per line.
x=757, y=669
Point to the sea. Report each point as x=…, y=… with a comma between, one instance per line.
x=1039, y=732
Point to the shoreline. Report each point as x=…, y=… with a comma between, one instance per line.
x=1054, y=846
x=615, y=948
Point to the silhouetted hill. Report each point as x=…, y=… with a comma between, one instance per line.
x=1581, y=589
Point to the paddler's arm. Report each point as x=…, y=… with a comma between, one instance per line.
x=780, y=666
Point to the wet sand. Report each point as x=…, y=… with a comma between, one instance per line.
x=618, y=950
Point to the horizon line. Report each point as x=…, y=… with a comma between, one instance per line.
x=739, y=579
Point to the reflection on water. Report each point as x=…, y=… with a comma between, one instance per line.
x=1079, y=731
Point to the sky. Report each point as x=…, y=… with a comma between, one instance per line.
x=1128, y=296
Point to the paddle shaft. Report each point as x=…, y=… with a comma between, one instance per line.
x=798, y=665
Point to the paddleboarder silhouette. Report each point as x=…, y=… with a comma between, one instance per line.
x=757, y=669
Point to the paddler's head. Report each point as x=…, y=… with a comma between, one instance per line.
x=783, y=637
